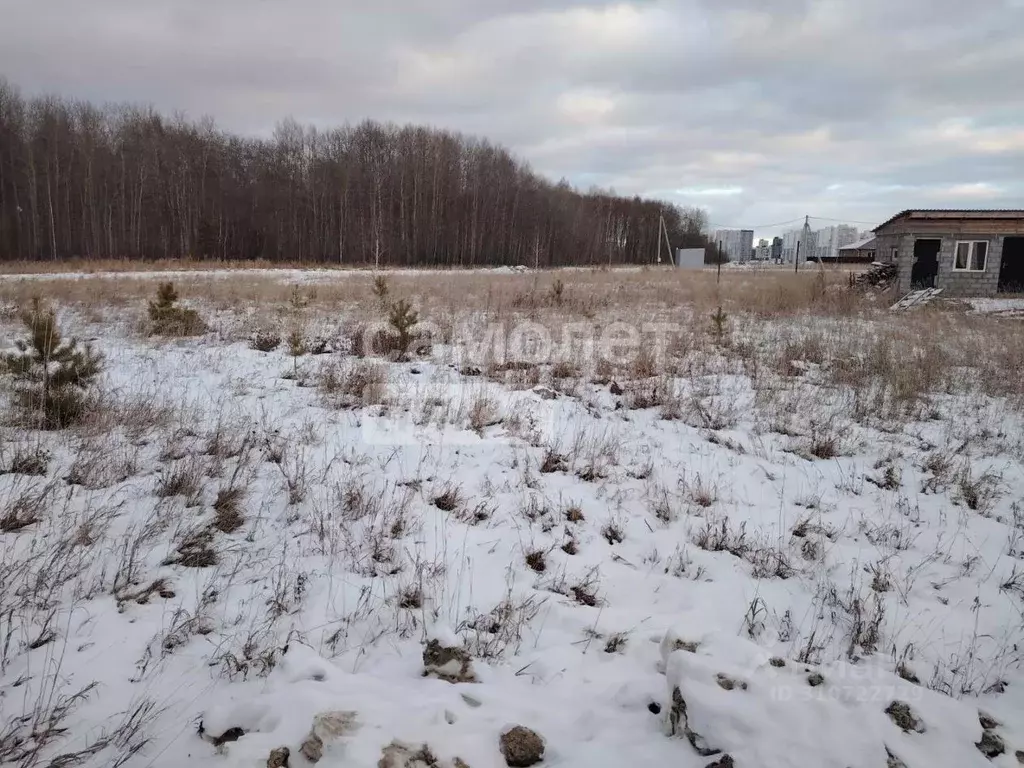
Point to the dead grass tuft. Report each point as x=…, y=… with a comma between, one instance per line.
x=449, y=499
x=719, y=536
x=536, y=559
x=195, y=550
x=977, y=493
x=585, y=590
x=613, y=532
x=26, y=507
x=184, y=478
x=228, y=509
x=33, y=461
x=484, y=412
x=574, y=513
x=500, y=631
x=357, y=383
x=553, y=461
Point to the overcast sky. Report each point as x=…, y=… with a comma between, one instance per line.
x=760, y=111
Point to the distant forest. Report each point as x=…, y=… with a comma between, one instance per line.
x=124, y=182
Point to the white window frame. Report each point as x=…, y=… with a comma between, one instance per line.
x=970, y=255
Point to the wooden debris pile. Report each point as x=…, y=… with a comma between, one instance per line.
x=881, y=276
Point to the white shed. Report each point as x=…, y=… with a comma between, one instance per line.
x=690, y=258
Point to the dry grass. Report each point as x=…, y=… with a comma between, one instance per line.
x=448, y=499
x=352, y=384
x=484, y=412
x=183, y=478
x=885, y=369
x=227, y=507
x=24, y=460
x=593, y=291
x=26, y=507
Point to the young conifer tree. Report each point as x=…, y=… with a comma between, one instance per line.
x=52, y=374
x=169, y=319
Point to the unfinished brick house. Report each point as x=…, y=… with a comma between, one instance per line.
x=966, y=253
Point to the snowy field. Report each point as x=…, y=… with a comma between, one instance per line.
x=788, y=535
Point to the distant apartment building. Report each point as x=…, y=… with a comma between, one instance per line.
x=793, y=244
x=763, y=250
x=829, y=240
x=777, y=250
x=736, y=244
x=790, y=242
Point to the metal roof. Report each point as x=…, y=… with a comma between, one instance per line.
x=861, y=245
x=954, y=213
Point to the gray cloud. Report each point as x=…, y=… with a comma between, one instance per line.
x=759, y=110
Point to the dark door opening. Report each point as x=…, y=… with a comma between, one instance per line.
x=926, y=264
x=1011, y=270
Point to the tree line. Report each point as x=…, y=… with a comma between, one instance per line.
x=125, y=182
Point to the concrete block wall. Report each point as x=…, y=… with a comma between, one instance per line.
x=953, y=283
x=904, y=259
x=970, y=283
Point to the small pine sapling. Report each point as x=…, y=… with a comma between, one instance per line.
x=557, y=291
x=719, y=325
x=380, y=289
x=297, y=298
x=168, y=319
x=296, y=348
x=296, y=343
x=403, y=319
x=52, y=374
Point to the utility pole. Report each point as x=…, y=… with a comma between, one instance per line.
x=805, y=238
x=661, y=224
x=668, y=244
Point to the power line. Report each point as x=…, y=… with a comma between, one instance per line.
x=715, y=225
x=756, y=226
x=846, y=221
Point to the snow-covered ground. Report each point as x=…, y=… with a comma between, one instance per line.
x=1009, y=307
x=758, y=564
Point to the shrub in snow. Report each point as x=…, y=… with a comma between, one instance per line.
x=52, y=375
x=265, y=341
